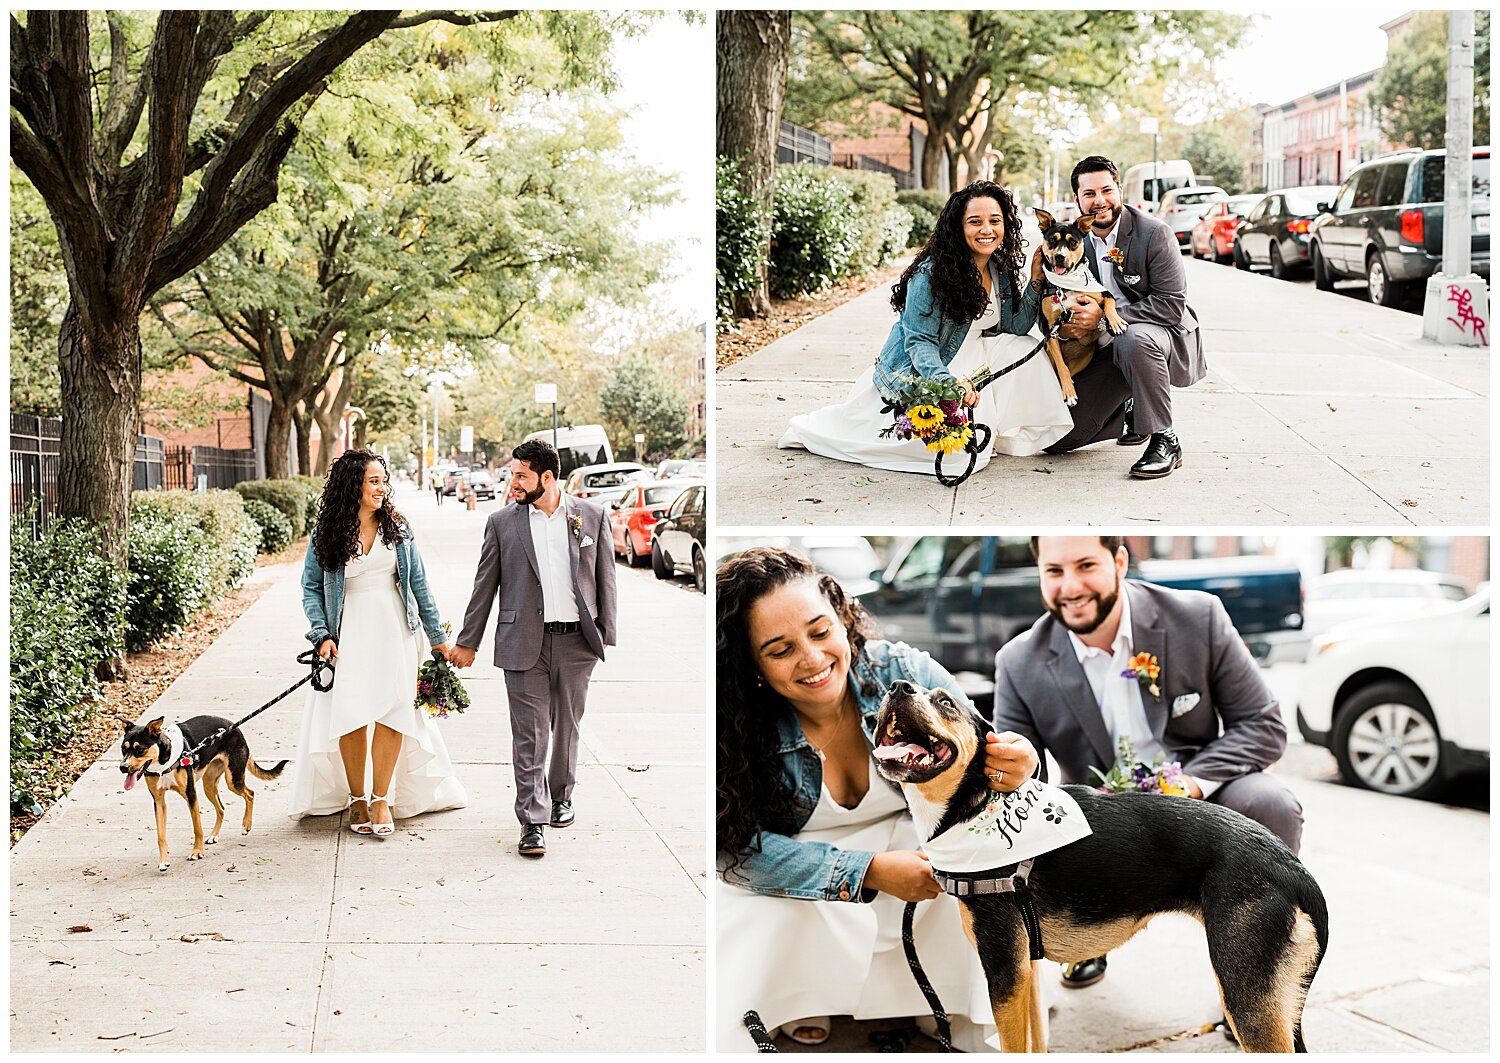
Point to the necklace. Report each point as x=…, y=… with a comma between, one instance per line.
x=822, y=756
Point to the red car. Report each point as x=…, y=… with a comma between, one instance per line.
x=635, y=511
x=1213, y=235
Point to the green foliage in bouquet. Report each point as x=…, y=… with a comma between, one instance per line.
x=439, y=690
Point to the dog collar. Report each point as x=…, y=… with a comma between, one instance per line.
x=172, y=733
x=1013, y=880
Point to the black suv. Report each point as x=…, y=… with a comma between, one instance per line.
x=1386, y=224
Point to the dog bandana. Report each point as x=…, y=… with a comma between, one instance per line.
x=1077, y=279
x=1037, y=818
x=172, y=736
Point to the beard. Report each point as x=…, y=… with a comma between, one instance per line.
x=1104, y=604
x=528, y=498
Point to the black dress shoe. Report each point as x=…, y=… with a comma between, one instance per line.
x=562, y=813
x=1084, y=972
x=532, y=842
x=1129, y=437
x=1163, y=455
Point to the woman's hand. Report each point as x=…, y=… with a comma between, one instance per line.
x=902, y=873
x=1009, y=760
x=1036, y=268
x=971, y=398
x=327, y=648
x=442, y=647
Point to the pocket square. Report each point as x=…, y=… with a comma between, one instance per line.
x=1184, y=704
x=588, y=540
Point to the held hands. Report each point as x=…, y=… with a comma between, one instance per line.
x=327, y=649
x=1009, y=760
x=441, y=647
x=460, y=656
x=902, y=873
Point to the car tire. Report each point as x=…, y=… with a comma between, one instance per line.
x=633, y=559
x=1385, y=740
x=700, y=570
x=1383, y=290
x=660, y=566
x=1241, y=259
x=1322, y=276
x=1224, y=259
x=1278, y=267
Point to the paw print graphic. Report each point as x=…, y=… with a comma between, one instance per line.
x=1054, y=813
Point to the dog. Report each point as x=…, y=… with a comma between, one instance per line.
x=1265, y=917
x=153, y=752
x=1067, y=282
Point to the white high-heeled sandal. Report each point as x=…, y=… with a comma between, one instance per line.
x=382, y=830
x=359, y=828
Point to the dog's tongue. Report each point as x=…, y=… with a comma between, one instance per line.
x=131, y=778
x=898, y=751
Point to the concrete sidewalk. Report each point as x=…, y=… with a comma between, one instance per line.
x=304, y=937
x=1317, y=410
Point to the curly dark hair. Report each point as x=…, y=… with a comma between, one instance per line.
x=956, y=284
x=336, y=537
x=753, y=794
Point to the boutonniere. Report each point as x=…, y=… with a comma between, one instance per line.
x=1145, y=670
x=1116, y=258
x=575, y=522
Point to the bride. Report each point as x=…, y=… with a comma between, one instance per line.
x=962, y=306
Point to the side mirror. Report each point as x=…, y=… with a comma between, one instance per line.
x=1325, y=208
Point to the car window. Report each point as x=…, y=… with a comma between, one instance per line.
x=655, y=496
x=1346, y=195
x=1366, y=182
x=1392, y=190
x=1259, y=210
x=1453, y=591
x=923, y=564
x=1186, y=198
x=677, y=506
x=695, y=500
x=1435, y=166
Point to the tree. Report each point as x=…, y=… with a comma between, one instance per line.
x=1411, y=91
x=750, y=85
x=1213, y=154
x=642, y=398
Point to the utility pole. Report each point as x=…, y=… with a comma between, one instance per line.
x=1456, y=309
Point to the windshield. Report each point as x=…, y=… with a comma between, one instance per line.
x=1306, y=200
x=1190, y=198
x=658, y=495
x=577, y=457
x=1159, y=187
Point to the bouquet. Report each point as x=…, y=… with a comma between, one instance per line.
x=932, y=411
x=438, y=688
x=1130, y=774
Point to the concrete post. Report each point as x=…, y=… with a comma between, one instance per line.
x=1457, y=301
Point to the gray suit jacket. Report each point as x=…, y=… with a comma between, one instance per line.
x=507, y=566
x=1159, y=297
x=1235, y=728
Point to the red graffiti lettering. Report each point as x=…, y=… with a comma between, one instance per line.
x=1467, y=320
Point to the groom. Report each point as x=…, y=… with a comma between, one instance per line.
x=550, y=558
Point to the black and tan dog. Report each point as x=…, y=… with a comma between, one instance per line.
x=1066, y=282
x=1265, y=917
x=153, y=752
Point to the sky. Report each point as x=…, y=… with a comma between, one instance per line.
x=667, y=89
x=1292, y=51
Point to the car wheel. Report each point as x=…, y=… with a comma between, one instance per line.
x=660, y=566
x=700, y=570
x=1241, y=260
x=1322, y=278
x=1278, y=267
x=631, y=556
x=1383, y=290
x=1385, y=740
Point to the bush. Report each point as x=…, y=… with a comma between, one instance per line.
x=314, y=488
x=275, y=532
x=288, y=496
x=925, y=206
x=168, y=580
x=67, y=614
x=739, y=234
x=815, y=232
x=873, y=196
x=220, y=515
x=897, y=232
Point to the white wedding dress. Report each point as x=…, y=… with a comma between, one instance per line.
x=375, y=681
x=1024, y=409
x=795, y=959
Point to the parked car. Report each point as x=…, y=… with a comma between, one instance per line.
x=1182, y=207
x=1361, y=594
x=850, y=559
x=1064, y=210
x=1403, y=703
x=635, y=511
x=677, y=539
x=1274, y=233
x=961, y=598
x=577, y=445
x=482, y=483
x=1213, y=234
x=673, y=468
x=590, y=480
x=1143, y=185
x=454, y=480
x=1386, y=224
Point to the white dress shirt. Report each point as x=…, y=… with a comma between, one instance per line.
x=549, y=537
x=1107, y=276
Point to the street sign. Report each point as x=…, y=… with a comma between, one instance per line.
x=466, y=439
x=546, y=393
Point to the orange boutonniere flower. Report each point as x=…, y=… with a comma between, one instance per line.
x=1145, y=669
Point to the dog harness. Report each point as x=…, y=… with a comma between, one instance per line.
x=172, y=733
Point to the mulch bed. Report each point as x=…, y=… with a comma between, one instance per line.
x=151, y=672
x=788, y=315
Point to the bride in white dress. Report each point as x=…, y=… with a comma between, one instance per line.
x=963, y=306
x=365, y=593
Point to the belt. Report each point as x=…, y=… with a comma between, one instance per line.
x=562, y=627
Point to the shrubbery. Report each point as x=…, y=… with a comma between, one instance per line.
x=314, y=487
x=739, y=234
x=169, y=571
x=67, y=605
x=925, y=205
x=275, y=532
x=880, y=216
x=815, y=232
x=289, y=496
x=233, y=538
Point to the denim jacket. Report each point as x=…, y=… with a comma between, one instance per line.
x=323, y=594
x=818, y=871
x=924, y=340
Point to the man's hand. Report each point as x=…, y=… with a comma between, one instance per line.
x=1009, y=760
x=902, y=873
x=1084, y=323
x=461, y=656
x=1193, y=789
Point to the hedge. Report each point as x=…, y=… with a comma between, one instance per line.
x=815, y=231
x=925, y=205
x=289, y=496
x=232, y=537
x=275, y=533
x=739, y=234
x=168, y=579
x=67, y=613
x=314, y=487
x=873, y=196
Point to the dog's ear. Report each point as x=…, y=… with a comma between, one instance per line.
x=126, y=720
x=1044, y=219
x=155, y=725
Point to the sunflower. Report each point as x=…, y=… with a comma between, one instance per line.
x=951, y=443
x=924, y=417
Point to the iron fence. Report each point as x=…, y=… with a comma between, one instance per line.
x=796, y=144
x=224, y=468
x=853, y=161
x=34, y=461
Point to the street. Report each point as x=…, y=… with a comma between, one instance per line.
x=303, y=937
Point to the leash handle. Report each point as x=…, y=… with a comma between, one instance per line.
x=318, y=666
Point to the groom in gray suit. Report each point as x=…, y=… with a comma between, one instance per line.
x=551, y=560
x=1060, y=686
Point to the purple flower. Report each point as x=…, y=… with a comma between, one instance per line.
x=956, y=420
x=904, y=427
x=949, y=406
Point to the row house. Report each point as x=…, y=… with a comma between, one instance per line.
x=1318, y=137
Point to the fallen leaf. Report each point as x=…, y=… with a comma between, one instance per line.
x=62, y=963
x=814, y=501
x=90, y=871
x=1332, y=407
x=81, y=928
x=262, y=860
x=637, y=767
x=863, y=481
x=442, y=882
x=116, y=1037
x=1047, y=471
x=212, y=935
x=1409, y=502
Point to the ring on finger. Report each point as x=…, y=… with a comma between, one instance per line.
x=997, y=776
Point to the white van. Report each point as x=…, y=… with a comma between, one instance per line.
x=578, y=445
x=1143, y=186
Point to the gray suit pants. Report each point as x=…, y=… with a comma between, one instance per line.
x=1142, y=355
x=1265, y=799
x=546, y=701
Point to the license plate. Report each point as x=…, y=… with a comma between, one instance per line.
x=1482, y=225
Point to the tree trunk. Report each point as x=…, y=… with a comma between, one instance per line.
x=278, y=439
x=932, y=161
x=753, y=48
x=303, y=420
x=327, y=409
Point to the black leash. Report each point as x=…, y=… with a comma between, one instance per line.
x=944, y=1030
x=317, y=666
x=982, y=433
x=763, y=1042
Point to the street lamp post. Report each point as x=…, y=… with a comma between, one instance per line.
x=547, y=393
x=640, y=445
x=1152, y=126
